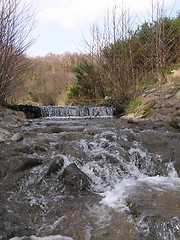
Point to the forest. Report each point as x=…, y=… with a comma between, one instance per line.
x=123, y=56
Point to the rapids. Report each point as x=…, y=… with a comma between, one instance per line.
x=133, y=170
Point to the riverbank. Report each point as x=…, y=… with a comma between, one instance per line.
x=159, y=102
x=10, y=122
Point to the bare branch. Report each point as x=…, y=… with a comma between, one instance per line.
x=16, y=24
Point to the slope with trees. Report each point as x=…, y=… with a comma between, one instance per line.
x=49, y=78
x=124, y=56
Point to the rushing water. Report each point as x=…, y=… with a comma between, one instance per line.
x=134, y=191
x=76, y=111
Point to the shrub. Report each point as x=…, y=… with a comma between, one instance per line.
x=43, y=98
x=147, y=109
x=133, y=105
x=148, y=80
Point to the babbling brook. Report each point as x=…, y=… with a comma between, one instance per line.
x=78, y=173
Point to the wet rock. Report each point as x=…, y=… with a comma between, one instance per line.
x=175, y=123
x=29, y=111
x=70, y=150
x=155, y=143
x=4, y=135
x=132, y=121
x=44, y=141
x=17, y=137
x=74, y=179
x=119, y=109
x=130, y=136
x=28, y=163
x=178, y=95
x=73, y=129
x=3, y=238
x=23, y=149
x=39, y=148
x=52, y=129
x=70, y=136
x=90, y=131
x=156, y=212
x=55, y=166
x=18, y=164
x=149, y=201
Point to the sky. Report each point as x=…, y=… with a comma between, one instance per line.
x=62, y=25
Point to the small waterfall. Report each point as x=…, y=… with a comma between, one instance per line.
x=76, y=111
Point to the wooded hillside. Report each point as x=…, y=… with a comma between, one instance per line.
x=125, y=57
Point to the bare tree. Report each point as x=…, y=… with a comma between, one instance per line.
x=159, y=40
x=16, y=24
x=124, y=53
x=111, y=51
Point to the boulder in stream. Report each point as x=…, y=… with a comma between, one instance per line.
x=4, y=135
x=74, y=179
x=28, y=163
x=55, y=166
x=17, y=137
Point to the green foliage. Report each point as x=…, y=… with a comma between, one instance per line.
x=147, y=109
x=133, y=105
x=86, y=86
x=73, y=90
x=148, y=80
x=73, y=94
x=156, y=45
x=84, y=73
x=139, y=60
x=171, y=68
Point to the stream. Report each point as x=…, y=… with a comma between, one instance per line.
x=91, y=179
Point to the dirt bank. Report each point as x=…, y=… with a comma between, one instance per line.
x=160, y=102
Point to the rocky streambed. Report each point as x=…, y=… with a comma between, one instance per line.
x=90, y=179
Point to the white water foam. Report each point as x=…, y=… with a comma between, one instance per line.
x=115, y=185
x=116, y=197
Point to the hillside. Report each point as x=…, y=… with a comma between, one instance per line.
x=160, y=102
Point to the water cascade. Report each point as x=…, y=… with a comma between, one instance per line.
x=90, y=179
x=76, y=111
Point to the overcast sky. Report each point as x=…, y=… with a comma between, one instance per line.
x=60, y=24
